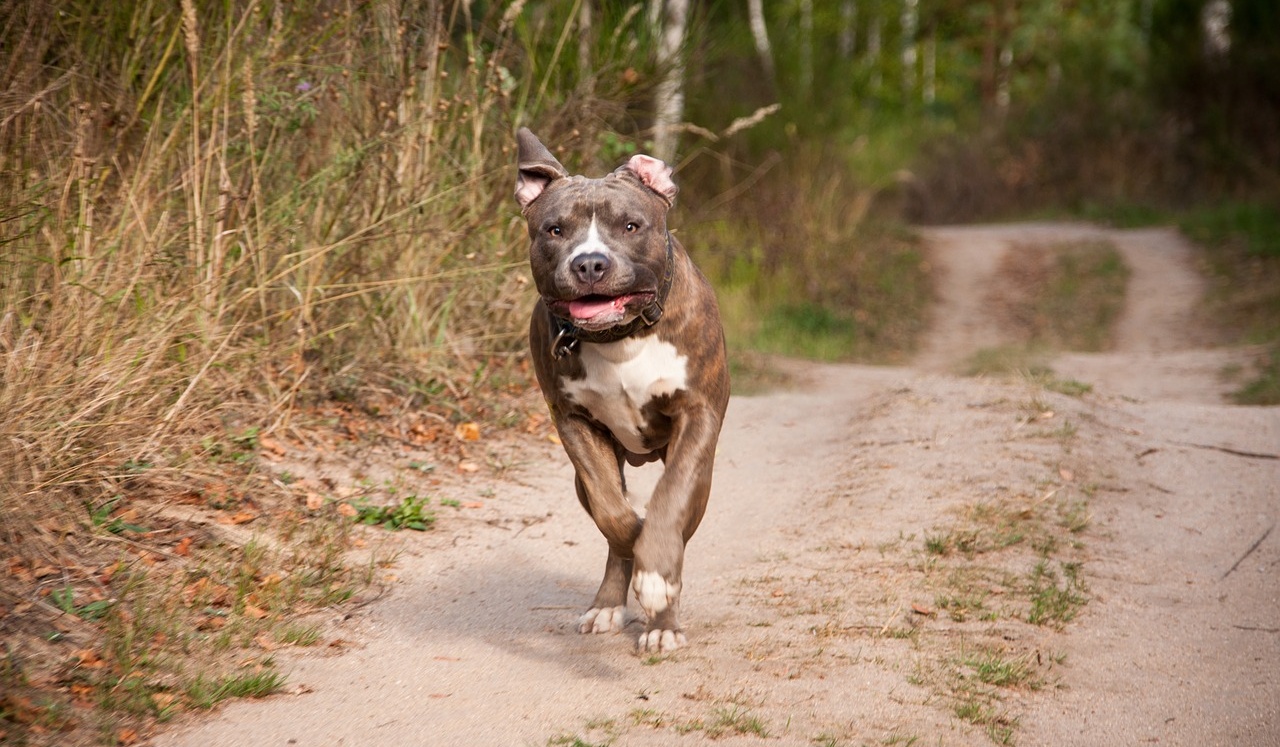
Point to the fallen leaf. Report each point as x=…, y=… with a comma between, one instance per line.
x=554, y=438
x=469, y=467
x=106, y=573
x=45, y=571
x=20, y=709
x=920, y=609
x=1045, y=415
x=265, y=643
x=240, y=517
x=163, y=700
x=472, y=504
x=1066, y=474
x=347, y=510
x=257, y=613
x=127, y=736
x=183, y=547
x=439, y=695
x=89, y=659
x=315, y=501
x=271, y=445
x=467, y=431
x=778, y=593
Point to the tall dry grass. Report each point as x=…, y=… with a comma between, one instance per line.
x=208, y=209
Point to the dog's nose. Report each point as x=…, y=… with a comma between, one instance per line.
x=590, y=267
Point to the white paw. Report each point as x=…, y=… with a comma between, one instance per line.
x=603, y=620
x=660, y=641
x=653, y=592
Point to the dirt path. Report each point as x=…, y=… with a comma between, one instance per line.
x=823, y=604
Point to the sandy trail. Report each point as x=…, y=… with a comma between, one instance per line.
x=801, y=583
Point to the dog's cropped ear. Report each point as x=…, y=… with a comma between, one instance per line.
x=538, y=167
x=652, y=173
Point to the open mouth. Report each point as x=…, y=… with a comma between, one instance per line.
x=598, y=310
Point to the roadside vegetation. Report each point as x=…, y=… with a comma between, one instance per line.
x=1053, y=298
x=1240, y=243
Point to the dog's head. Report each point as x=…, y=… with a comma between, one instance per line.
x=598, y=247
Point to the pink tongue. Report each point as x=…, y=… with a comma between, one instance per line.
x=583, y=309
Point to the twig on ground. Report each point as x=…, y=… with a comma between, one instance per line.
x=1248, y=552
x=1229, y=450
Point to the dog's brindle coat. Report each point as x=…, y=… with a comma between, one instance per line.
x=629, y=352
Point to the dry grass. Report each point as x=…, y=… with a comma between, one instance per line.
x=213, y=214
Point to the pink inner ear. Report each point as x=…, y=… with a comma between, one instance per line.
x=529, y=186
x=655, y=174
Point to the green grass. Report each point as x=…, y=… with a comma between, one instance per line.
x=1055, y=600
x=806, y=330
x=1068, y=295
x=812, y=275
x=1252, y=226
x=1241, y=244
x=299, y=635
x=1264, y=388
x=995, y=669
x=205, y=693
x=734, y=719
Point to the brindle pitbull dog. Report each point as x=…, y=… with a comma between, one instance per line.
x=629, y=352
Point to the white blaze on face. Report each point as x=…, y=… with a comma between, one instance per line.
x=621, y=378
x=593, y=243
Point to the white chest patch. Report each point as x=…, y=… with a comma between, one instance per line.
x=621, y=378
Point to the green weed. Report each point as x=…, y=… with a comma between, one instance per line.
x=410, y=513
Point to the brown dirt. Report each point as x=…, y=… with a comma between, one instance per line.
x=815, y=613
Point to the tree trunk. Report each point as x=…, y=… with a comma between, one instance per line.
x=873, y=53
x=760, y=33
x=848, y=29
x=910, y=21
x=806, y=49
x=669, y=104
x=930, y=93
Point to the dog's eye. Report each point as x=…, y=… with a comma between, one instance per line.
x=555, y=231
x=632, y=226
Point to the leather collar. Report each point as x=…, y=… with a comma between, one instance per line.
x=567, y=335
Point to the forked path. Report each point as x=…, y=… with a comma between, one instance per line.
x=801, y=583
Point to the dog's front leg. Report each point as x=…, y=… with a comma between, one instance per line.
x=601, y=490
x=678, y=503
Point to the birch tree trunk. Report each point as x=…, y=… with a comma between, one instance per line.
x=873, y=53
x=586, y=76
x=669, y=103
x=848, y=29
x=930, y=93
x=910, y=21
x=806, y=49
x=760, y=33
